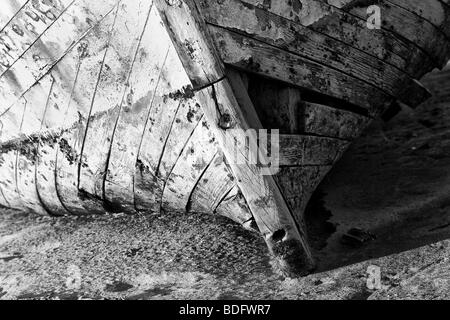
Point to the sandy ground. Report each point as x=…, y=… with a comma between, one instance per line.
x=394, y=183
x=185, y=257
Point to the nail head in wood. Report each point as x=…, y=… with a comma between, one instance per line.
x=225, y=121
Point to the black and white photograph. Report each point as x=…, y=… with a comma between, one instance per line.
x=224, y=151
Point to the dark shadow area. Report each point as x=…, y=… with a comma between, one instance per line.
x=391, y=191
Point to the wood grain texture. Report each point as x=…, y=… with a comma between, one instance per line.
x=213, y=186
x=110, y=94
x=330, y=122
x=299, y=183
x=186, y=29
x=329, y=20
x=434, y=11
x=92, y=53
x=26, y=27
x=58, y=114
x=170, y=122
x=234, y=207
x=150, y=181
x=134, y=114
x=284, y=107
x=406, y=25
x=196, y=158
x=26, y=182
x=9, y=10
x=305, y=150
x=312, y=45
x=258, y=57
x=53, y=45
x=8, y=156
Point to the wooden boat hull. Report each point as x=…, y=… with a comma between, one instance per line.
x=114, y=106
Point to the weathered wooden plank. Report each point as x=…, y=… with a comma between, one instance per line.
x=16, y=124
x=309, y=44
x=63, y=71
x=65, y=75
x=407, y=25
x=11, y=122
x=10, y=8
x=25, y=28
x=299, y=183
x=253, y=55
x=37, y=102
x=37, y=99
x=216, y=183
x=283, y=107
x=322, y=120
x=171, y=121
x=8, y=178
x=52, y=46
x=45, y=175
x=150, y=181
x=8, y=157
x=234, y=207
x=202, y=65
x=318, y=15
x=3, y=201
x=239, y=82
x=197, y=157
x=119, y=183
x=166, y=122
x=217, y=192
x=93, y=51
x=32, y=127
x=110, y=94
x=434, y=11
x=160, y=125
x=304, y=150
x=290, y=100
